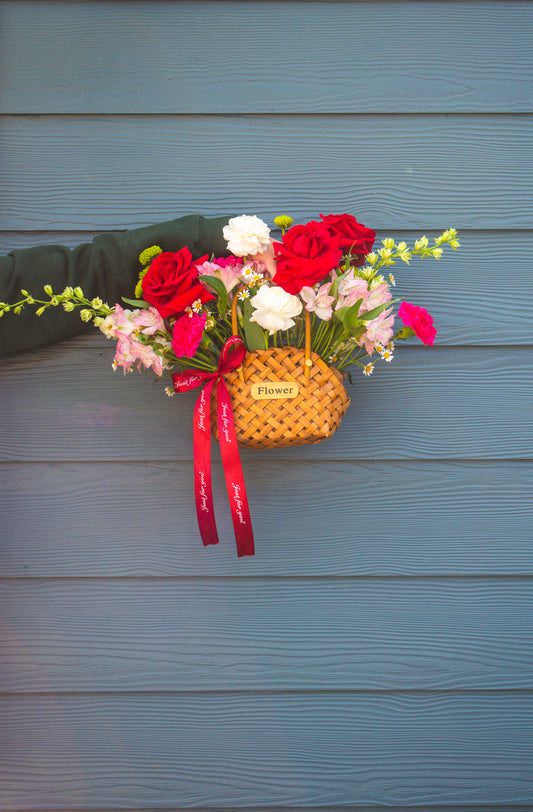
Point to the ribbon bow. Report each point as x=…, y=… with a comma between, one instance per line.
x=232, y=355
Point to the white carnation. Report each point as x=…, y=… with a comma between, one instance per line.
x=275, y=308
x=246, y=235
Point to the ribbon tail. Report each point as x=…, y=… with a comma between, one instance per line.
x=202, y=467
x=231, y=461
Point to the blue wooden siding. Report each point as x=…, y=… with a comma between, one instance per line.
x=376, y=653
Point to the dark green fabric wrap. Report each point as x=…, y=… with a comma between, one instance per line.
x=108, y=267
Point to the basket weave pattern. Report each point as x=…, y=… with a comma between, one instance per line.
x=310, y=417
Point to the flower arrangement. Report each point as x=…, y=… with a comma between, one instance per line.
x=180, y=317
x=318, y=299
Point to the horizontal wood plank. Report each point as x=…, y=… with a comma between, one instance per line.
x=410, y=518
x=512, y=807
x=66, y=403
x=335, y=57
x=407, y=172
x=278, y=750
x=459, y=290
x=152, y=635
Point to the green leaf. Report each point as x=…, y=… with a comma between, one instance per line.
x=254, y=335
x=349, y=316
x=216, y=286
x=359, y=332
x=140, y=303
x=374, y=313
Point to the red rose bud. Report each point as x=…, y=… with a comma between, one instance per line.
x=306, y=256
x=171, y=283
x=419, y=320
x=355, y=238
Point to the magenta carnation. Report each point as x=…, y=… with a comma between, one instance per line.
x=419, y=320
x=187, y=334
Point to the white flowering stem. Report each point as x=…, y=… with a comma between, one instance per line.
x=392, y=251
x=69, y=299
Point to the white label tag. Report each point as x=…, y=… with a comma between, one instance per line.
x=270, y=390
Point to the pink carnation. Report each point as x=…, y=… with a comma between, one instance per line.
x=224, y=262
x=187, y=335
x=419, y=320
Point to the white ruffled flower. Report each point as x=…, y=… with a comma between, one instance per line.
x=275, y=308
x=107, y=326
x=246, y=235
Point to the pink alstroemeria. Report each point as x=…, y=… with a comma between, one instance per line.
x=130, y=352
x=124, y=357
x=148, y=321
x=122, y=321
x=376, y=297
x=350, y=290
x=146, y=356
x=227, y=269
x=187, y=334
x=378, y=331
x=319, y=301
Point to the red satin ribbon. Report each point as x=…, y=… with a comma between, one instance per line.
x=231, y=357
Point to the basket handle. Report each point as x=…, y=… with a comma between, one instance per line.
x=234, y=322
x=307, y=353
x=235, y=326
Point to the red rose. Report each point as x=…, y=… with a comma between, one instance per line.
x=419, y=320
x=354, y=237
x=306, y=256
x=171, y=283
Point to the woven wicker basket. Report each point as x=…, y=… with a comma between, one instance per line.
x=310, y=417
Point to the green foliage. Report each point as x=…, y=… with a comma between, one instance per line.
x=217, y=287
x=254, y=335
x=349, y=316
x=375, y=312
x=138, y=303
